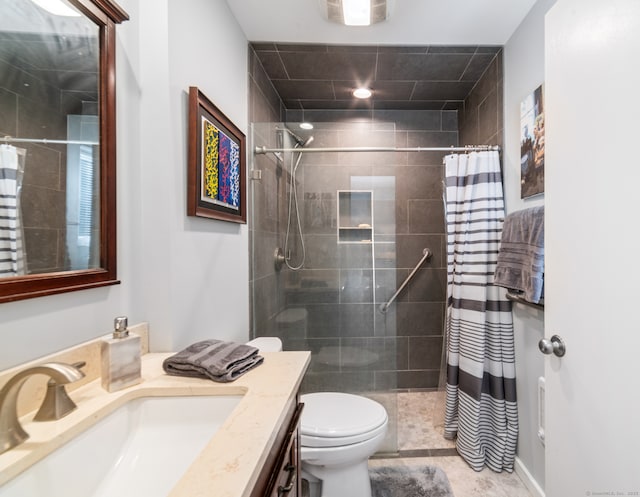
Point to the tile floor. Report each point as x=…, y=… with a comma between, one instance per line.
x=420, y=426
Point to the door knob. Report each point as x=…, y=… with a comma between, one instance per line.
x=554, y=346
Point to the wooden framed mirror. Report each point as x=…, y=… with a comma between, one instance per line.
x=57, y=146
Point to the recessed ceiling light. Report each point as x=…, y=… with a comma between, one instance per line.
x=356, y=12
x=362, y=93
x=306, y=125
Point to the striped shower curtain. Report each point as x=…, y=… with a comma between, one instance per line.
x=11, y=253
x=481, y=412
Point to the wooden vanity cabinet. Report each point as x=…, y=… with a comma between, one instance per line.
x=280, y=476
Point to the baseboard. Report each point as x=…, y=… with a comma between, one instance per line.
x=527, y=479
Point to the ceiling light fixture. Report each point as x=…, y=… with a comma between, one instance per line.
x=58, y=7
x=362, y=93
x=306, y=126
x=356, y=12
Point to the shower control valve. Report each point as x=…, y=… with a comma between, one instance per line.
x=279, y=259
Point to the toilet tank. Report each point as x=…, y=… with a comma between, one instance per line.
x=266, y=344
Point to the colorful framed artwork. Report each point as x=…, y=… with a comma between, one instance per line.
x=532, y=144
x=216, y=163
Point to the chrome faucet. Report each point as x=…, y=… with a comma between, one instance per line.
x=11, y=432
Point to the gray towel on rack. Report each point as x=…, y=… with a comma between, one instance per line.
x=520, y=265
x=214, y=359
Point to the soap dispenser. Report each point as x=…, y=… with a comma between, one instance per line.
x=121, y=366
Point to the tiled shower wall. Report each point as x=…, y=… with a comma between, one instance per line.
x=341, y=318
x=267, y=205
x=409, y=344
x=482, y=116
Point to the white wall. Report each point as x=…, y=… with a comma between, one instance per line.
x=523, y=73
x=187, y=277
x=207, y=49
x=194, y=271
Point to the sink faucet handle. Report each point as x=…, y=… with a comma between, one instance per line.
x=57, y=403
x=78, y=365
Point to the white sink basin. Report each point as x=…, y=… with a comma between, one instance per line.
x=141, y=449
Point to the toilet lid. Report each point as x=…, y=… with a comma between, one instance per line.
x=335, y=419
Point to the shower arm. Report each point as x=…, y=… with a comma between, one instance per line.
x=384, y=307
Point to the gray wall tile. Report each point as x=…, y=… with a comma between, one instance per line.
x=410, y=250
x=419, y=318
x=410, y=219
x=413, y=325
x=425, y=352
x=41, y=245
x=9, y=114
x=426, y=216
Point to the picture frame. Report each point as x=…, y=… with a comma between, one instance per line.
x=532, y=131
x=216, y=176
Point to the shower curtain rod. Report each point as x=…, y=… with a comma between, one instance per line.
x=469, y=148
x=10, y=139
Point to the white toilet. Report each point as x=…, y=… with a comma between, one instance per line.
x=339, y=432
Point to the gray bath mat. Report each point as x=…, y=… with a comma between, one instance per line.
x=409, y=481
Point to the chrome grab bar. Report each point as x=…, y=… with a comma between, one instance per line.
x=383, y=307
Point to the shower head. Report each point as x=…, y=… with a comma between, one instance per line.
x=300, y=142
x=307, y=142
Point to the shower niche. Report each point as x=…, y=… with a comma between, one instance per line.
x=355, y=216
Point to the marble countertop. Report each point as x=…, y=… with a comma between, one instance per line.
x=230, y=463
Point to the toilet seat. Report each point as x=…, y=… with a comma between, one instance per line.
x=332, y=419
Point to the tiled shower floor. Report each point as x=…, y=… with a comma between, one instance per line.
x=420, y=441
x=421, y=421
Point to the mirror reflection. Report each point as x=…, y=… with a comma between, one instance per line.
x=49, y=139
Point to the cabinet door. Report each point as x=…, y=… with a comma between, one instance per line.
x=287, y=472
x=287, y=483
x=280, y=476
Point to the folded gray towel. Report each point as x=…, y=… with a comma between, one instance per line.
x=520, y=264
x=214, y=359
